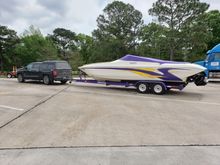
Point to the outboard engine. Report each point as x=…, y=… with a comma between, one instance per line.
x=199, y=79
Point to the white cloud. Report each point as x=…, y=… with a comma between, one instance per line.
x=77, y=15
x=214, y=4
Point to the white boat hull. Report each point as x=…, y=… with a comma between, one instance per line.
x=154, y=69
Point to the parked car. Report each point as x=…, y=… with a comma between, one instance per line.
x=12, y=74
x=48, y=71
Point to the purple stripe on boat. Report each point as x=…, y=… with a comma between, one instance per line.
x=145, y=59
x=167, y=75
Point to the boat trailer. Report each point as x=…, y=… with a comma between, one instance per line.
x=142, y=86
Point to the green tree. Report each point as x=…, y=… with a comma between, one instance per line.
x=195, y=40
x=32, y=30
x=177, y=15
x=35, y=48
x=8, y=40
x=153, y=41
x=66, y=42
x=118, y=30
x=106, y=50
x=85, y=46
x=212, y=20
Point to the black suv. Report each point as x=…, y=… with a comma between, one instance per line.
x=48, y=71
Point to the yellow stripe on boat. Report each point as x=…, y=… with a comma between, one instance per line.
x=148, y=69
x=146, y=75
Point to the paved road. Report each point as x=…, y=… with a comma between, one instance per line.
x=99, y=125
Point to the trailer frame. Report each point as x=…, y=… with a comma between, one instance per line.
x=142, y=86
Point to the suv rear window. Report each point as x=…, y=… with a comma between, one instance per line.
x=62, y=65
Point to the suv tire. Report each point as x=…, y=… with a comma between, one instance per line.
x=46, y=80
x=20, y=78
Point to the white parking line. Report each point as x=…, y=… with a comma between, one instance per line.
x=11, y=108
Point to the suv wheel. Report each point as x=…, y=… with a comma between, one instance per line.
x=46, y=80
x=20, y=78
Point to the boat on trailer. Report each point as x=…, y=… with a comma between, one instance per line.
x=146, y=74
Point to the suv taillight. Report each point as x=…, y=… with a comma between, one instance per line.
x=54, y=73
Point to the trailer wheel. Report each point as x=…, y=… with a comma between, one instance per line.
x=158, y=88
x=142, y=87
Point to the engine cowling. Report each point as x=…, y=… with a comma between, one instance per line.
x=199, y=79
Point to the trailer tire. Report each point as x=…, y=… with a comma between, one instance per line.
x=158, y=88
x=142, y=87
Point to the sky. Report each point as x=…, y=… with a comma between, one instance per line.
x=76, y=15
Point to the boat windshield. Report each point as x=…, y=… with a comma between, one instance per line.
x=145, y=59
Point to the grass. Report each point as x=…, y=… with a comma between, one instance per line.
x=1, y=76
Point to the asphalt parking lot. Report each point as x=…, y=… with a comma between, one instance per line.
x=89, y=124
